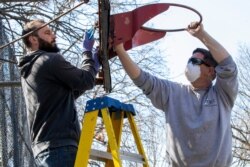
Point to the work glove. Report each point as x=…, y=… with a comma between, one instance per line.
x=95, y=57
x=88, y=40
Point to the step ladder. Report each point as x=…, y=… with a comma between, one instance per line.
x=112, y=112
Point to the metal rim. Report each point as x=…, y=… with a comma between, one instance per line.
x=178, y=29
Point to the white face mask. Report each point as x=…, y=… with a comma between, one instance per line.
x=192, y=72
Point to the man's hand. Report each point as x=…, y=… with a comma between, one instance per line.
x=195, y=28
x=217, y=50
x=88, y=40
x=119, y=48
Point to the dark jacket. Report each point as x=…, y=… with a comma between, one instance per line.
x=50, y=85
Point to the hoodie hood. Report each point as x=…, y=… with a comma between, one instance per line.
x=26, y=62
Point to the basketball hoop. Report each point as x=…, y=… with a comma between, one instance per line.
x=129, y=27
x=177, y=29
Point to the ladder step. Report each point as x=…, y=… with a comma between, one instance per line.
x=107, y=102
x=103, y=156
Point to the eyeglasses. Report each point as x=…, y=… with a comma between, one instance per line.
x=197, y=61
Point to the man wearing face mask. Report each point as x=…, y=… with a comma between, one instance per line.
x=197, y=115
x=50, y=86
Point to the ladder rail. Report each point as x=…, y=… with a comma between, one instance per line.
x=117, y=122
x=137, y=138
x=112, y=139
x=86, y=139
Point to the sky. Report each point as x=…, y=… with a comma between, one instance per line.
x=228, y=21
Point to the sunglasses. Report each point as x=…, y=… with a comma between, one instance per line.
x=197, y=61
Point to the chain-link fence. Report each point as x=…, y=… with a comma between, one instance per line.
x=14, y=142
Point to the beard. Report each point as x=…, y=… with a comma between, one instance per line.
x=46, y=46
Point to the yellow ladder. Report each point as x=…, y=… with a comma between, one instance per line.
x=113, y=113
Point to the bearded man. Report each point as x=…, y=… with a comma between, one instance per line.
x=50, y=86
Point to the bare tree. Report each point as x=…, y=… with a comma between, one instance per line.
x=241, y=114
x=69, y=30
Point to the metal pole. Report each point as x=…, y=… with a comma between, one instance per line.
x=10, y=84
